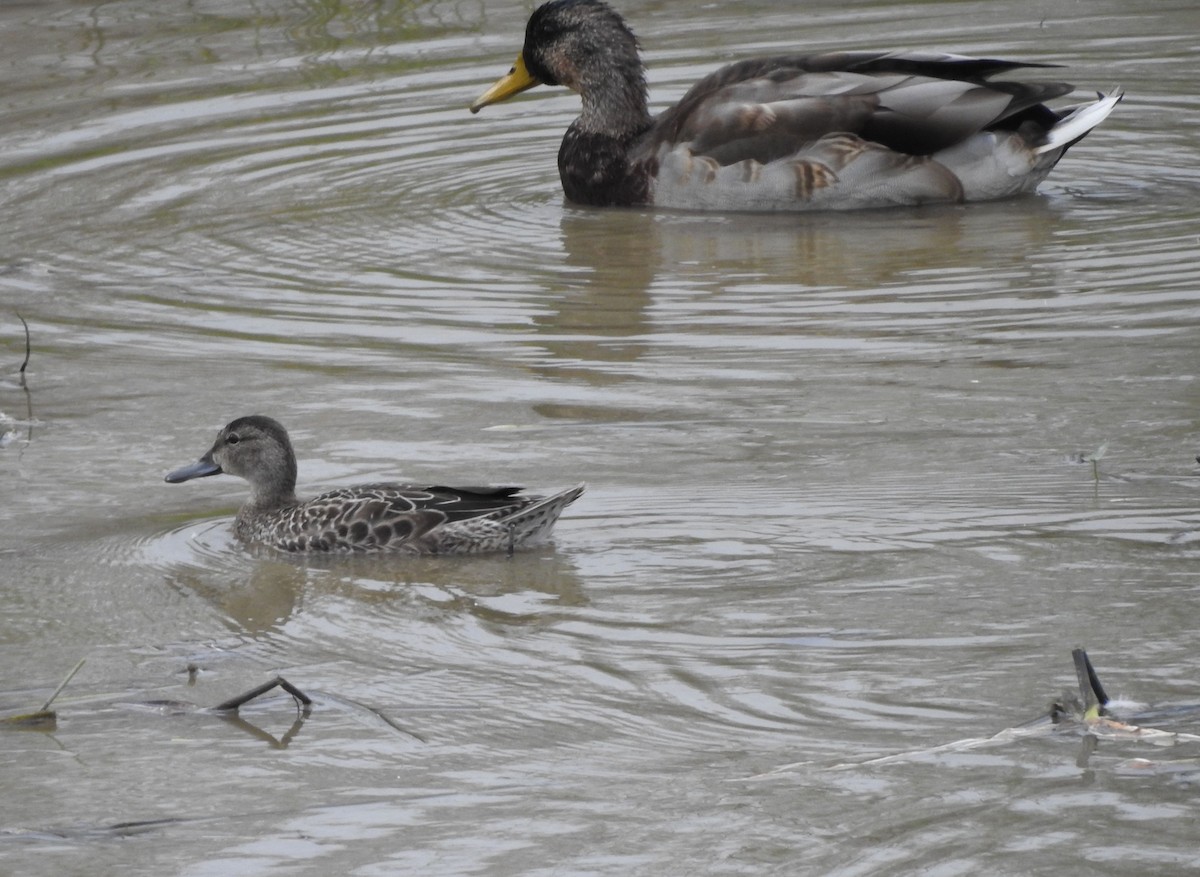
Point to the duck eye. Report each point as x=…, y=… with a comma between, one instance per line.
x=233, y=438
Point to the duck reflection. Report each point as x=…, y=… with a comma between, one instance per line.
x=626, y=253
x=275, y=588
x=262, y=602
x=625, y=266
x=477, y=585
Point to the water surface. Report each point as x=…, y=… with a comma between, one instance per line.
x=837, y=508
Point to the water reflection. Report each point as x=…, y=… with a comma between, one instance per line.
x=629, y=250
x=258, y=591
x=261, y=603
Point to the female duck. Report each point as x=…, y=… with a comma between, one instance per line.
x=792, y=132
x=402, y=518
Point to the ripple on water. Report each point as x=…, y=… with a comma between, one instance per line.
x=197, y=545
x=832, y=518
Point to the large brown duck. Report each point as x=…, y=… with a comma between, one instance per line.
x=842, y=130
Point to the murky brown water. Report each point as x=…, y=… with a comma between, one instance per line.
x=835, y=508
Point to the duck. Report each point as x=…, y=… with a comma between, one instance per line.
x=790, y=133
x=398, y=518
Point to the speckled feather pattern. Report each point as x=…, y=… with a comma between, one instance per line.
x=398, y=518
x=406, y=519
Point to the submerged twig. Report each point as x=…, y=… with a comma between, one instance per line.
x=382, y=716
x=24, y=363
x=1094, y=458
x=392, y=723
x=25, y=387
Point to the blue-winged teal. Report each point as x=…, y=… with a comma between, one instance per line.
x=793, y=132
x=404, y=518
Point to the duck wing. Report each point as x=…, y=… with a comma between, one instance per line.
x=457, y=503
x=528, y=524
x=768, y=109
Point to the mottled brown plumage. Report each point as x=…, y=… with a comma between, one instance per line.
x=792, y=132
x=403, y=518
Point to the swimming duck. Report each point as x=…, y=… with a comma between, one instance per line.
x=792, y=132
x=403, y=518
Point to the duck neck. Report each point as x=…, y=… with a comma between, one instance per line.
x=614, y=103
x=273, y=489
x=264, y=500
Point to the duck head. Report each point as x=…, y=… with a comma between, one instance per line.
x=582, y=44
x=256, y=448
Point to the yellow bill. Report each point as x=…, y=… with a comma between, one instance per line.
x=517, y=80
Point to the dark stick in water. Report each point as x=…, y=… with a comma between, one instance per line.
x=1090, y=688
x=233, y=703
x=24, y=364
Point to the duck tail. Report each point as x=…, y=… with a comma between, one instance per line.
x=533, y=523
x=1078, y=121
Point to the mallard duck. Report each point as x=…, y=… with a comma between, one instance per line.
x=403, y=518
x=792, y=132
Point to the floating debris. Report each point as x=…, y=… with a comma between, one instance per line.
x=233, y=703
x=8, y=425
x=28, y=348
x=44, y=719
x=1085, y=713
x=1094, y=458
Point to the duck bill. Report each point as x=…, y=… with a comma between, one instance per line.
x=516, y=81
x=202, y=468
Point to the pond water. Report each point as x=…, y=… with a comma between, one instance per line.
x=838, y=505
